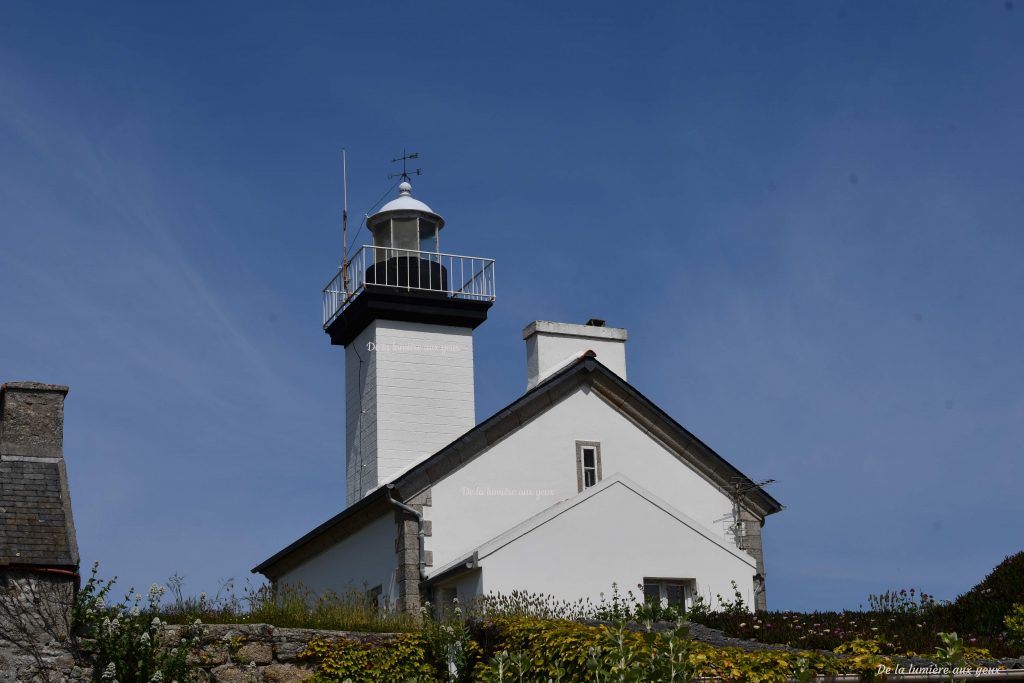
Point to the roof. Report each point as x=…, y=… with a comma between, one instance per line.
x=405, y=202
x=470, y=560
x=34, y=527
x=586, y=371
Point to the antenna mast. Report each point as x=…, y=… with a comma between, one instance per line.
x=344, y=224
x=738, y=492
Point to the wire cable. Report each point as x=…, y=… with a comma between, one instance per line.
x=375, y=205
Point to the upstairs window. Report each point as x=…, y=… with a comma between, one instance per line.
x=588, y=464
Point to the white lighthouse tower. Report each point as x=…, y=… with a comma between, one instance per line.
x=405, y=313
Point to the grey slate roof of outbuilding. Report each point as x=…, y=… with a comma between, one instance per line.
x=36, y=527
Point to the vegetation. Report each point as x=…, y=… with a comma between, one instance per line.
x=291, y=606
x=533, y=649
x=527, y=637
x=902, y=622
x=126, y=641
x=1014, y=622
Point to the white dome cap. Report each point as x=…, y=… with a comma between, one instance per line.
x=405, y=202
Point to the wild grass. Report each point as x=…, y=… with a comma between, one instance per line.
x=291, y=607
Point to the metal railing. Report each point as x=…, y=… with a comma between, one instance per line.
x=387, y=268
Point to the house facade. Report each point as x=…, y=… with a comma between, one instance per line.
x=579, y=483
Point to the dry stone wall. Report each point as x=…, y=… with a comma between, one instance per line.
x=260, y=653
x=228, y=653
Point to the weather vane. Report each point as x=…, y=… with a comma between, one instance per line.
x=404, y=175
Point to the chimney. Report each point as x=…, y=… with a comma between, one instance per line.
x=32, y=419
x=551, y=346
x=36, y=526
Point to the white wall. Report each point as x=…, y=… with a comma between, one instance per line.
x=360, y=562
x=535, y=467
x=414, y=396
x=360, y=417
x=614, y=536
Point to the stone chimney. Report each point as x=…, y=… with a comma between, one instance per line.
x=551, y=346
x=32, y=419
x=36, y=526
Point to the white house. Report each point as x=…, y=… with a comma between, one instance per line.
x=579, y=483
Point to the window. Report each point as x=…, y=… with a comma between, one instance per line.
x=670, y=592
x=373, y=597
x=588, y=464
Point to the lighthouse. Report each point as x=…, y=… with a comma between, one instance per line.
x=578, y=484
x=405, y=312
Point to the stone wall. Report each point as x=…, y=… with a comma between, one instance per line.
x=35, y=612
x=229, y=653
x=260, y=653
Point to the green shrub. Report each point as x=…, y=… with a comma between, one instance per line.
x=1014, y=622
x=399, y=661
x=126, y=639
x=441, y=651
x=569, y=652
x=900, y=621
x=983, y=609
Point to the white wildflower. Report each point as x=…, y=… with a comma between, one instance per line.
x=144, y=638
x=110, y=673
x=156, y=591
x=134, y=611
x=157, y=678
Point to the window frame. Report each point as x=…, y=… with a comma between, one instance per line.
x=580, y=473
x=689, y=587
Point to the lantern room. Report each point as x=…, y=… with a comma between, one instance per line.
x=405, y=223
x=403, y=275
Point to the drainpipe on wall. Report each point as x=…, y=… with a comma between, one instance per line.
x=419, y=520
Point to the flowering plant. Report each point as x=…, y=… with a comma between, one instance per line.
x=128, y=643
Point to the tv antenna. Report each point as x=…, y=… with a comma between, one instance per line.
x=405, y=158
x=738, y=491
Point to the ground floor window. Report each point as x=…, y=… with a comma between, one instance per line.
x=670, y=592
x=444, y=601
x=375, y=597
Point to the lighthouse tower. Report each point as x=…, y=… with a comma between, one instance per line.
x=405, y=313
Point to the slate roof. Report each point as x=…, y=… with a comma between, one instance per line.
x=585, y=371
x=33, y=519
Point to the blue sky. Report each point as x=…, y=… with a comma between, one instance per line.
x=807, y=214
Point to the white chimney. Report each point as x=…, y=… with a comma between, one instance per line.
x=551, y=346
